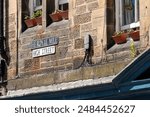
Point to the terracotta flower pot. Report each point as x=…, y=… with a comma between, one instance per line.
x=64, y=14
x=39, y=20
x=30, y=22
x=55, y=17
x=135, y=35
x=119, y=39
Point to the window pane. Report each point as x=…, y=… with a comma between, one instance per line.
x=39, y=3
x=63, y=7
x=128, y=11
x=62, y=1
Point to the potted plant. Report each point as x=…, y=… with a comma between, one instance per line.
x=135, y=35
x=55, y=16
x=120, y=37
x=30, y=22
x=38, y=15
x=64, y=14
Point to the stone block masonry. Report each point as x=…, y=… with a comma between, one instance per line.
x=85, y=17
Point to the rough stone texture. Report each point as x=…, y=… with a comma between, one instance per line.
x=80, y=19
x=13, y=46
x=77, y=62
x=11, y=73
x=32, y=64
x=75, y=32
x=85, y=16
x=79, y=43
x=59, y=87
x=86, y=27
x=62, y=52
x=144, y=23
x=79, y=2
x=12, y=34
x=81, y=9
x=88, y=1
x=11, y=18
x=93, y=6
x=31, y=82
x=94, y=72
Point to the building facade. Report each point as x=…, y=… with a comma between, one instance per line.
x=74, y=50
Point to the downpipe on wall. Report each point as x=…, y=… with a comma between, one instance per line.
x=3, y=65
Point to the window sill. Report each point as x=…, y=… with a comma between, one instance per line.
x=132, y=25
x=31, y=31
x=54, y=26
x=122, y=47
x=38, y=8
x=58, y=25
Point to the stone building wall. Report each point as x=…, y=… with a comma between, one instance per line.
x=85, y=17
x=144, y=23
x=11, y=34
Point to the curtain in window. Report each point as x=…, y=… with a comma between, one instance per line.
x=38, y=2
x=129, y=11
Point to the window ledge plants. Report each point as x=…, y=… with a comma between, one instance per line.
x=120, y=37
x=30, y=22
x=35, y=19
x=134, y=34
x=38, y=16
x=55, y=16
x=64, y=14
x=58, y=15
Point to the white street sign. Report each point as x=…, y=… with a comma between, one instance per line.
x=43, y=51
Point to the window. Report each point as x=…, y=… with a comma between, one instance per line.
x=127, y=14
x=34, y=5
x=37, y=4
x=61, y=5
x=33, y=10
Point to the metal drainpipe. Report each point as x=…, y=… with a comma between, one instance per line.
x=1, y=28
x=1, y=37
x=17, y=55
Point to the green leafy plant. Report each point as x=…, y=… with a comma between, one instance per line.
x=129, y=31
x=26, y=17
x=38, y=13
x=57, y=11
x=33, y=16
x=132, y=48
x=119, y=37
x=118, y=33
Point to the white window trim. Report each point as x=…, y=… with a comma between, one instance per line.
x=59, y=2
x=33, y=7
x=62, y=1
x=36, y=7
x=132, y=25
x=119, y=16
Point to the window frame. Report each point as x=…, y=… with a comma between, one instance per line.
x=30, y=10
x=119, y=16
x=33, y=7
x=60, y=2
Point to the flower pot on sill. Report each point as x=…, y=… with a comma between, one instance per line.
x=39, y=20
x=119, y=39
x=135, y=35
x=55, y=17
x=30, y=22
x=64, y=14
